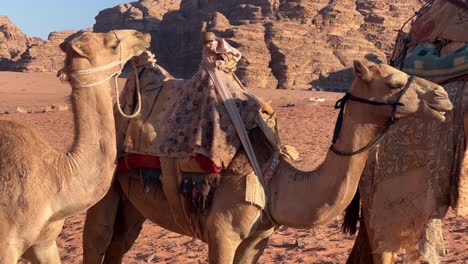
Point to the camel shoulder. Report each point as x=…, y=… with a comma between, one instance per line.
x=14, y=135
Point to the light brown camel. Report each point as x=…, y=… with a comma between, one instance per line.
x=236, y=231
x=41, y=186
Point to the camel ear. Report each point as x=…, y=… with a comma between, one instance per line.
x=80, y=49
x=362, y=72
x=396, y=81
x=63, y=46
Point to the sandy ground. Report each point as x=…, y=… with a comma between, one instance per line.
x=325, y=244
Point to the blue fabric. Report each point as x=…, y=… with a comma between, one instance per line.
x=423, y=61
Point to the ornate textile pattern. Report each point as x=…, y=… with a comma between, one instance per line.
x=184, y=117
x=407, y=181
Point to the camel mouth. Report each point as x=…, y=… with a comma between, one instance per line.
x=438, y=111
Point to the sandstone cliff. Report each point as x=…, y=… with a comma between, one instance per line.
x=292, y=44
x=19, y=52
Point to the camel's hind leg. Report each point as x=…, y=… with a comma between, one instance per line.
x=127, y=227
x=250, y=250
x=99, y=226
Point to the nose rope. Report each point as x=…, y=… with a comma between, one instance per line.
x=114, y=75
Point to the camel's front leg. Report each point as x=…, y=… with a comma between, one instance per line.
x=99, y=226
x=231, y=220
x=252, y=248
x=378, y=258
x=44, y=253
x=8, y=254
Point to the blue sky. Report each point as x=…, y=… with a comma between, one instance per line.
x=38, y=18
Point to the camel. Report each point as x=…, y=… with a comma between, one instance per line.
x=41, y=186
x=407, y=188
x=237, y=231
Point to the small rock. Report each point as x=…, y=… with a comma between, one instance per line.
x=60, y=107
x=16, y=109
x=47, y=109
x=290, y=105
x=290, y=152
x=319, y=100
x=300, y=243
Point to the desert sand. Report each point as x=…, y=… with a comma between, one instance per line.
x=326, y=244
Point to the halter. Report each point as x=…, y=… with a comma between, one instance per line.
x=114, y=75
x=340, y=104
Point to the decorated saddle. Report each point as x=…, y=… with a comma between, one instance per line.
x=183, y=137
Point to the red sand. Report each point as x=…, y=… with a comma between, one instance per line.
x=325, y=244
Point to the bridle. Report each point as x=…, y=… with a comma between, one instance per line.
x=340, y=104
x=114, y=74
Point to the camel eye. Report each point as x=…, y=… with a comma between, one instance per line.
x=396, y=85
x=395, y=81
x=113, y=43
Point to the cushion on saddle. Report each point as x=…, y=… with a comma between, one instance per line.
x=137, y=161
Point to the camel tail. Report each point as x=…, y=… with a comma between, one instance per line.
x=351, y=216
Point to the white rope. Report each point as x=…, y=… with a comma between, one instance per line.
x=114, y=75
x=119, y=107
x=101, y=68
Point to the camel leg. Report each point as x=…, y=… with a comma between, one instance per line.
x=99, y=226
x=127, y=227
x=44, y=252
x=250, y=250
x=361, y=252
x=8, y=254
x=228, y=225
x=378, y=258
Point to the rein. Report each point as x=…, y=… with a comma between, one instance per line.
x=340, y=104
x=114, y=75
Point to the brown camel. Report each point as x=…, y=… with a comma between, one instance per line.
x=236, y=231
x=41, y=186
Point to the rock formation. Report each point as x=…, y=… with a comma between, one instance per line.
x=19, y=52
x=289, y=44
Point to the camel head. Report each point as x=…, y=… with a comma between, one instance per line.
x=383, y=83
x=90, y=50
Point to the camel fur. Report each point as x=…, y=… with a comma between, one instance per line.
x=238, y=232
x=41, y=186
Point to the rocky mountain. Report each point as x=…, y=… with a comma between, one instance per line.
x=288, y=44
x=291, y=44
x=18, y=52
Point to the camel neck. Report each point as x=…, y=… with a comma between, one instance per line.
x=91, y=159
x=305, y=199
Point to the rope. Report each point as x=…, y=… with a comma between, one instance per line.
x=114, y=75
x=119, y=107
